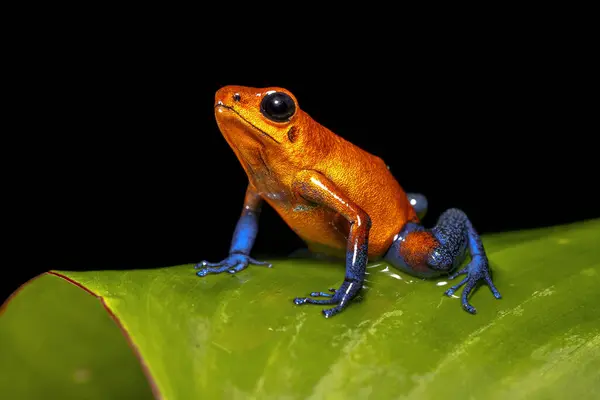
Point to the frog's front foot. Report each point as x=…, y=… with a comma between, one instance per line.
x=341, y=297
x=232, y=264
x=477, y=270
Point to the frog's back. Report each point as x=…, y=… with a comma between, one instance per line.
x=368, y=182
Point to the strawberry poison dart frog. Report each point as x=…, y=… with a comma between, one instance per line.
x=339, y=199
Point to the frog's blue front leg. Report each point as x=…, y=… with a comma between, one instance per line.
x=242, y=242
x=316, y=188
x=433, y=252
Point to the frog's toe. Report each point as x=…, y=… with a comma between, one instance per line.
x=454, y=288
x=309, y=300
x=323, y=294
x=330, y=312
x=329, y=296
x=470, y=284
x=203, y=264
x=492, y=287
x=213, y=270
x=261, y=263
x=237, y=268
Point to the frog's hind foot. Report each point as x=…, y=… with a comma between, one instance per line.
x=440, y=250
x=477, y=271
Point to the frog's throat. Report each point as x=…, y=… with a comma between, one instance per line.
x=253, y=168
x=248, y=122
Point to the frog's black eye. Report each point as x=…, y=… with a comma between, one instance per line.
x=278, y=106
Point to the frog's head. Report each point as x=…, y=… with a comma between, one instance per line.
x=250, y=117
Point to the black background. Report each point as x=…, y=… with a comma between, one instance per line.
x=118, y=162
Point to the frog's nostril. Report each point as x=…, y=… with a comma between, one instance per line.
x=236, y=97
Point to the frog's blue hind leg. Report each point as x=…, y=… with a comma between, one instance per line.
x=440, y=250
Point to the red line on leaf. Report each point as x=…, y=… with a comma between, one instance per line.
x=4, y=305
x=153, y=386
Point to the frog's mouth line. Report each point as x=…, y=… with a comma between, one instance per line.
x=220, y=104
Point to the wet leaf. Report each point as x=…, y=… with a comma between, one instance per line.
x=240, y=336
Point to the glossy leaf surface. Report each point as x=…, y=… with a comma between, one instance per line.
x=240, y=336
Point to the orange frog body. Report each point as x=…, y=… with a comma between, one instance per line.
x=341, y=200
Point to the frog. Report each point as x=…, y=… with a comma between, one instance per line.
x=341, y=200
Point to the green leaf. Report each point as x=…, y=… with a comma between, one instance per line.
x=240, y=336
x=58, y=342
